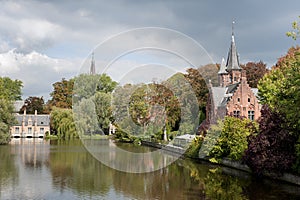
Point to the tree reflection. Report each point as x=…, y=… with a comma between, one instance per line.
x=221, y=186
x=8, y=169
x=73, y=167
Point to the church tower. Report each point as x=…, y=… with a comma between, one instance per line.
x=231, y=72
x=92, y=68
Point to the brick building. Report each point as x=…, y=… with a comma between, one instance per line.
x=233, y=96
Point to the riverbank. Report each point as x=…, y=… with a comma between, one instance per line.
x=286, y=177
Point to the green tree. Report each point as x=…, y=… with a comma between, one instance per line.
x=6, y=120
x=103, y=108
x=120, y=106
x=62, y=123
x=33, y=103
x=87, y=85
x=280, y=89
x=10, y=89
x=231, y=140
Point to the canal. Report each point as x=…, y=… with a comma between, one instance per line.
x=39, y=169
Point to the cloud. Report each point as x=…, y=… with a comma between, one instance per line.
x=37, y=71
x=53, y=37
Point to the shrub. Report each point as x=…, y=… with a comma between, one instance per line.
x=229, y=138
x=272, y=150
x=193, y=149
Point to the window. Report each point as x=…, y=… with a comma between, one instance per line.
x=238, y=99
x=251, y=115
x=17, y=129
x=29, y=130
x=248, y=99
x=236, y=113
x=41, y=130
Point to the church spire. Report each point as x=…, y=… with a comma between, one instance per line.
x=232, y=59
x=92, y=68
x=223, y=67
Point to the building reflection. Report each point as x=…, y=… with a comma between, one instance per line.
x=34, y=152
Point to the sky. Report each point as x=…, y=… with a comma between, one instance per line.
x=42, y=42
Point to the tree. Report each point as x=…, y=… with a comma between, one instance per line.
x=254, y=72
x=103, y=108
x=33, y=104
x=294, y=34
x=62, y=123
x=272, y=150
x=280, y=89
x=92, y=95
x=229, y=138
x=6, y=120
x=198, y=84
x=62, y=94
x=86, y=85
x=10, y=89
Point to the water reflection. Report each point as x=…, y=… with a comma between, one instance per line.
x=39, y=169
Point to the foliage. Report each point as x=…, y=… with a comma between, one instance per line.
x=272, y=150
x=62, y=123
x=123, y=136
x=229, y=138
x=6, y=120
x=209, y=73
x=254, y=72
x=31, y=104
x=187, y=101
x=193, y=149
x=92, y=97
x=62, y=94
x=86, y=85
x=10, y=89
x=104, y=110
x=295, y=33
x=280, y=89
x=199, y=86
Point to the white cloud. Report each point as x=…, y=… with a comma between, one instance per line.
x=37, y=71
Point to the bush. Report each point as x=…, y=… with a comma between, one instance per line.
x=272, y=150
x=229, y=138
x=193, y=149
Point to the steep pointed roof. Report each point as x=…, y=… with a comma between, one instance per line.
x=93, y=69
x=232, y=59
x=223, y=67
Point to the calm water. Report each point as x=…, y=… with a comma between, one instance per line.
x=38, y=169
